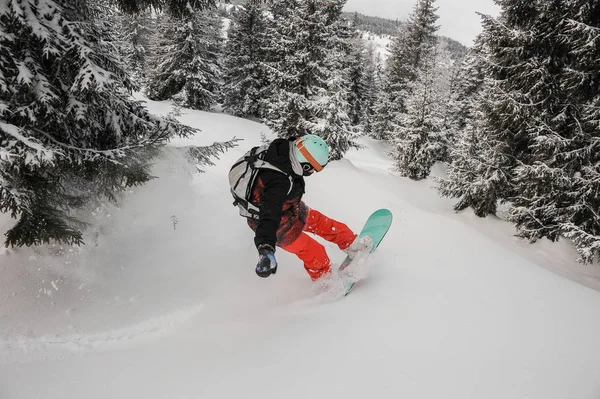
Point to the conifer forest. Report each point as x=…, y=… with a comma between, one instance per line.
x=515, y=118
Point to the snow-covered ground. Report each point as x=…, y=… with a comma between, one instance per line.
x=163, y=301
x=380, y=44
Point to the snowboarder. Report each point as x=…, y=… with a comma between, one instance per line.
x=283, y=218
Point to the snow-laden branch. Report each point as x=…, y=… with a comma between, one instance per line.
x=42, y=153
x=110, y=155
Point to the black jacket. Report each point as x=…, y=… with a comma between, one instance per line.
x=279, y=212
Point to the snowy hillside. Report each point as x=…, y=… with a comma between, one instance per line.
x=380, y=44
x=163, y=301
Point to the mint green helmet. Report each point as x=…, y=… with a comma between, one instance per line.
x=313, y=150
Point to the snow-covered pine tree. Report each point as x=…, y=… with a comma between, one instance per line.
x=419, y=80
x=503, y=112
x=336, y=126
x=69, y=130
x=387, y=111
x=245, y=77
x=555, y=78
x=420, y=139
x=371, y=86
x=421, y=38
x=447, y=75
x=134, y=36
x=465, y=87
x=413, y=44
x=186, y=66
x=468, y=154
x=389, y=105
x=293, y=71
x=176, y=8
x=357, y=89
x=356, y=65
x=303, y=59
x=332, y=123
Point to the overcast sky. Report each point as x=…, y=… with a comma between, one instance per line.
x=458, y=19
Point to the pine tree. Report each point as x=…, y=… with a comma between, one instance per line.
x=466, y=83
x=418, y=83
x=534, y=130
x=413, y=44
x=387, y=111
x=557, y=79
x=69, y=130
x=419, y=140
x=175, y=8
x=187, y=64
x=338, y=107
x=134, y=35
x=357, y=75
x=289, y=53
x=447, y=76
x=371, y=86
x=468, y=154
x=333, y=123
x=246, y=78
x=389, y=106
x=502, y=115
x=305, y=46
x=356, y=64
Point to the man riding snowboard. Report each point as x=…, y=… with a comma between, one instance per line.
x=283, y=219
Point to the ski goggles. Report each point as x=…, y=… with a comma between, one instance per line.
x=312, y=161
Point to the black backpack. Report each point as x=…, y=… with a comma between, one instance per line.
x=242, y=177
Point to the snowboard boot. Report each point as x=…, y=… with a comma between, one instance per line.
x=360, y=245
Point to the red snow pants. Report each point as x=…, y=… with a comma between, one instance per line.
x=313, y=254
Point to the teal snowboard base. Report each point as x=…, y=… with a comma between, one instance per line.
x=376, y=227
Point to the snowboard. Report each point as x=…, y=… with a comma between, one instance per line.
x=376, y=226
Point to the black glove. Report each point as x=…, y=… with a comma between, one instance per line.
x=267, y=264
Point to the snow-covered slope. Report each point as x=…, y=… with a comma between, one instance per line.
x=380, y=44
x=163, y=302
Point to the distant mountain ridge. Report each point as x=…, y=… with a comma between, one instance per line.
x=387, y=27
x=375, y=25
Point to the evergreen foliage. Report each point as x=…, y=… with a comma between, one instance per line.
x=466, y=84
x=175, y=8
x=304, y=52
x=412, y=48
x=358, y=89
x=333, y=123
x=375, y=25
x=245, y=77
x=134, y=36
x=186, y=66
x=294, y=73
x=557, y=186
x=372, y=84
x=408, y=51
x=414, y=91
x=69, y=130
x=421, y=139
x=387, y=110
x=467, y=153
x=499, y=128
x=517, y=122
x=532, y=139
